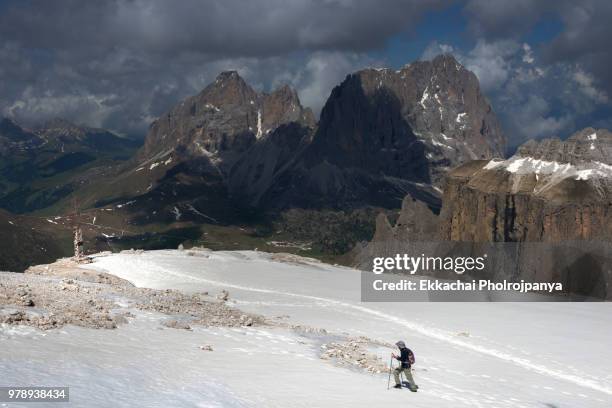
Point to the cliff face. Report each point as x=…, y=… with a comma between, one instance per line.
x=550, y=191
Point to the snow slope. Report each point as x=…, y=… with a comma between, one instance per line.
x=468, y=354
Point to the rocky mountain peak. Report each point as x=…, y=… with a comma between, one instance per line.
x=224, y=120
x=447, y=61
x=228, y=89
x=229, y=76
x=433, y=109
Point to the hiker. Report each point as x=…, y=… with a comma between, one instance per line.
x=406, y=359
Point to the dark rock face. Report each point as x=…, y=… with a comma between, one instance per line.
x=415, y=231
x=386, y=133
x=551, y=191
x=411, y=123
x=416, y=222
x=266, y=161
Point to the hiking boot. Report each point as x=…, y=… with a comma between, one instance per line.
x=397, y=386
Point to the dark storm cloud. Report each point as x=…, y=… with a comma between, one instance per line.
x=503, y=18
x=225, y=28
x=119, y=63
x=560, y=84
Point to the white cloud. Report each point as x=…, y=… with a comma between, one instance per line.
x=322, y=72
x=585, y=83
x=535, y=119
x=435, y=48
x=92, y=110
x=528, y=54
x=491, y=62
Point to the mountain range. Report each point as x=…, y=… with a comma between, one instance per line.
x=232, y=167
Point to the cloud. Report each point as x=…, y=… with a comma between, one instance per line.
x=322, y=72
x=533, y=119
x=583, y=29
x=491, y=62
x=119, y=63
x=496, y=19
x=585, y=84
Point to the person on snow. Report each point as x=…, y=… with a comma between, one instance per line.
x=406, y=359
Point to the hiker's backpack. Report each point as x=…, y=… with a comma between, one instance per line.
x=411, y=357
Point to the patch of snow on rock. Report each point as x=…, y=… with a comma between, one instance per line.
x=528, y=165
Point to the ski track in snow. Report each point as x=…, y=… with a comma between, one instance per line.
x=421, y=329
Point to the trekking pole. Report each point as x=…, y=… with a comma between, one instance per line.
x=390, y=368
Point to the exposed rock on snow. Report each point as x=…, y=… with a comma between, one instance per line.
x=51, y=296
x=355, y=352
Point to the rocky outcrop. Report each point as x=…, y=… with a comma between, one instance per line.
x=415, y=230
x=415, y=222
x=550, y=191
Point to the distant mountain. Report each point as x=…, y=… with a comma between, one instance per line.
x=70, y=137
x=191, y=154
x=383, y=134
x=39, y=167
x=223, y=121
